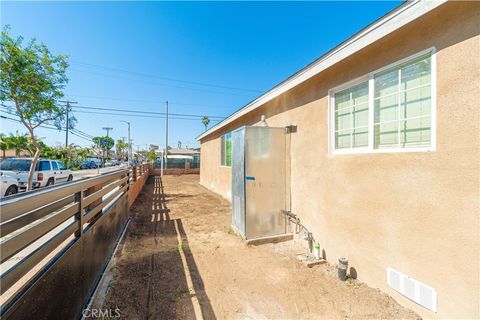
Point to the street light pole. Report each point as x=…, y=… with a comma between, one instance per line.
x=129, y=144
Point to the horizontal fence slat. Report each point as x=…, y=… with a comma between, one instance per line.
x=95, y=196
x=13, y=245
x=14, y=224
x=90, y=214
x=10, y=277
x=12, y=208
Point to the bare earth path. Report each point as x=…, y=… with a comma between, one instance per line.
x=180, y=261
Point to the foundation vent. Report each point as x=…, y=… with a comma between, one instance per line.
x=412, y=289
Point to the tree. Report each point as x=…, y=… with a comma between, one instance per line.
x=33, y=79
x=19, y=143
x=121, y=146
x=152, y=156
x=105, y=143
x=4, y=144
x=205, y=121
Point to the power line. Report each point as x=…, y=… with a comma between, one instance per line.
x=156, y=84
x=147, y=101
x=95, y=66
x=147, y=112
x=46, y=125
x=139, y=115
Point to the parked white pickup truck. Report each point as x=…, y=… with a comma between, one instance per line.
x=47, y=172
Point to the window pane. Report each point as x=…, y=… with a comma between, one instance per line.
x=45, y=165
x=55, y=166
x=386, y=135
x=343, y=119
x=360, y=116
x=228, y=150
x=342, y=140
x=403, y=105
x=386, y=109
x=415, y=74
x=351, y=117
x=386, y=83
x=415, y=132
x=360, y=137
x=416, y=102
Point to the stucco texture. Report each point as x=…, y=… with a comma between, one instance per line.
x=416, y=212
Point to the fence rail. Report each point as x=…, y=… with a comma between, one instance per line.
x=81, y=213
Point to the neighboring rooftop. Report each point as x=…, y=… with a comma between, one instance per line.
x=184, y=151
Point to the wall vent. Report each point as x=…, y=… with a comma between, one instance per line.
x=414, y=290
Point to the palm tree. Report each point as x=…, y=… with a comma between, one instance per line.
x=205, y=122
x=19, y=143
x=4, y=144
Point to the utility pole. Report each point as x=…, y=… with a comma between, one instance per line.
x=67, y=111
x=166, y=133
x=108, y=129
x=122, y=151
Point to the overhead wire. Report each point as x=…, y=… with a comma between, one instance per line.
x=141, y=74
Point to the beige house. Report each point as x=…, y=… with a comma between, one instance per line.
x=384, y=161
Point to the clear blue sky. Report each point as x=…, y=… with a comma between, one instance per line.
x=251, y=46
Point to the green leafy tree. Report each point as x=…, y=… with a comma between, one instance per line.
x=105, y=143
x=4, y=144
x=19, y=142
x=33, y=79
x=121, y=147
x=205, y=121
x=152, y=156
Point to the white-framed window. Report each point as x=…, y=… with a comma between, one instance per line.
x=388, y=110
x=226, y=150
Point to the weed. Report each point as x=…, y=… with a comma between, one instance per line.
x=151, y=312
x=352, y=282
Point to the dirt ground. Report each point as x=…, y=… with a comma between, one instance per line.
x=180, y=260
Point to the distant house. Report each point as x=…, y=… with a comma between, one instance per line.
x=11, y=154
x=183, y=158
x=382, y=154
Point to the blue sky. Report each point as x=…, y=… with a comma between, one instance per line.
x=205, y=58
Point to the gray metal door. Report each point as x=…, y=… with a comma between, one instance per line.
x=238, y=181
x=265, y=169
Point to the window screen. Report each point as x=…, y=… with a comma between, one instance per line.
x=351, y=117
x=226, y=150
x=393, y=107
x=402, y=105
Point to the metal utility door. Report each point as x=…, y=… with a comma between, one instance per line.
x=238, y=181
x=265, y=160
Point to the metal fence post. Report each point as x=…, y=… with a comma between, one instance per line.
x=79, y=215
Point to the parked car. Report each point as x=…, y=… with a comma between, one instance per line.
x=109, y=163
x=47, y=171
x=98, y=162
x=89, y=164
x=8, y=184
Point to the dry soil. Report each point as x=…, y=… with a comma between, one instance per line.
x=180, y=260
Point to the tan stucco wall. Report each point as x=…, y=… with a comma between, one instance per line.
x=415, y=212
x=212, y=175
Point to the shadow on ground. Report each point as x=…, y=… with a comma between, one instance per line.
x=156, y=276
